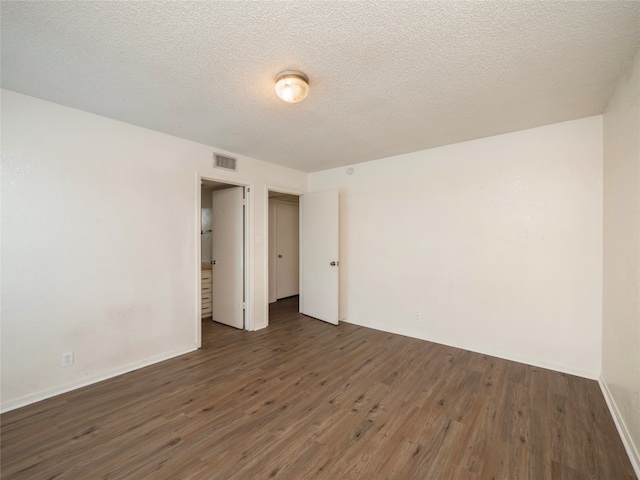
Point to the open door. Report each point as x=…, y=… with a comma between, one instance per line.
x=319, y=245
x=227, y=225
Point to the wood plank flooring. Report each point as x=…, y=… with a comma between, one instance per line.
x=303, y=399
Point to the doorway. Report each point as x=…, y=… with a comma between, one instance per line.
x=223, y=254
x=284, y=249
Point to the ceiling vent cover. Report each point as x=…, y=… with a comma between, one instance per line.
x=228, y=163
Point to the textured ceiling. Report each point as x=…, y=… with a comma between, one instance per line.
x=386, y=77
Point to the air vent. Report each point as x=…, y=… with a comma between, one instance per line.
x=227, y=163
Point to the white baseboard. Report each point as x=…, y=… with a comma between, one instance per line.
x=623, y=431
x=578, y=372
x=44, y=394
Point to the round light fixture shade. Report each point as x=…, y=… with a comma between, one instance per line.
x=292, y=86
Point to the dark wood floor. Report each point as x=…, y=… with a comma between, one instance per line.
x=307, y=400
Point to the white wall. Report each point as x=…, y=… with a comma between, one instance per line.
x=496, y=242
x=100, y=245
x=621, y=299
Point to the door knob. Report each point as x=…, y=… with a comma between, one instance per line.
x=334, y=264
x=279, y=256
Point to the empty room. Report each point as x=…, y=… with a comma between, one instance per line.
x=320, y=240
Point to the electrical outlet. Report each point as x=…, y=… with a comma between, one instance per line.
x=67, y=359
x=417, y=316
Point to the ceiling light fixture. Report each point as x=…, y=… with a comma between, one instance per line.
x=292, y=86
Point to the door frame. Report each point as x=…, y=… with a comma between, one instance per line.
x=271, y=188
x=247, y=263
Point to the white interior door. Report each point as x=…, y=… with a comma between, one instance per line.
x=319, y=255
x=287, y=250
x=227, y=225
